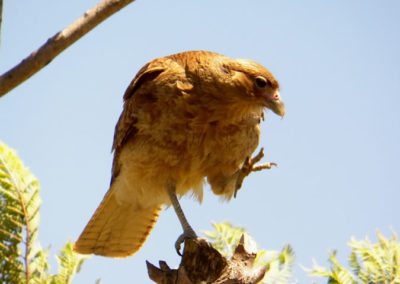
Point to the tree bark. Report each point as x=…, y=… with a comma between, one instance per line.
x=201, y=263
x=58, y=43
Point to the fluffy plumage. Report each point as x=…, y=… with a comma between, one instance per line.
x=186, y=118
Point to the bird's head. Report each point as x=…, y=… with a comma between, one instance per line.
x=250, y=82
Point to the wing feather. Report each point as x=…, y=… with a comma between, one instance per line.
x=125, y=128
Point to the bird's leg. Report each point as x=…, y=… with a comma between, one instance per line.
x=250, y=166
x=188, y=232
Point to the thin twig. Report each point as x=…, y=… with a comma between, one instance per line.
x=57, y=43
x=1, y=16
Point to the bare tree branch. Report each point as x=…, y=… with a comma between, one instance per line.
x=1, y=16
x=57, y=43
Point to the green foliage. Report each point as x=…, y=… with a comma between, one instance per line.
x=279, y=264
x=19, y=219
x=22, y=260
x=225, y=238
x=369, y=262
x=69, y=263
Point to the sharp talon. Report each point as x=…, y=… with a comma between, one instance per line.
x=249, y=166
x=181, y=239
x=178, y=243
x=266, y=166
x=235, y=192
x=257, y=157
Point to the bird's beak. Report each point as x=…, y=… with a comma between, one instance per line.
x=276, y=104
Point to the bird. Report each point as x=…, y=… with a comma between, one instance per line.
x=188, y=118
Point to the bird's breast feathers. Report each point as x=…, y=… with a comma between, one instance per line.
x=184, y=151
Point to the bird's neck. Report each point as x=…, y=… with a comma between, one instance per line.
x=234, y=113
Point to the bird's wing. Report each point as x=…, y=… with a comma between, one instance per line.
x=115, y=229
x=125, y=128
x=126, y=123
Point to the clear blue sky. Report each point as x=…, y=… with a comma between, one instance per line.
x=338, y=147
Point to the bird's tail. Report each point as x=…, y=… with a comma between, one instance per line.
x=116, y=230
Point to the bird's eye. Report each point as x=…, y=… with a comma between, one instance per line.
x=261, y=82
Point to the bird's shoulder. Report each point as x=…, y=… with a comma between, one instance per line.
x=157, y=78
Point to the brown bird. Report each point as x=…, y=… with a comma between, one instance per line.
x=186, y=117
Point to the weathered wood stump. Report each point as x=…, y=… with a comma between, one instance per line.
x=201, y=263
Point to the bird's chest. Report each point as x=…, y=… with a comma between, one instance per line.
x=187, y=150
x=195, y=141
x=229, y=145
x=208, y=137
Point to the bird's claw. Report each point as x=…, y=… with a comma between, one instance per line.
x=181, y=239
x=250, y=166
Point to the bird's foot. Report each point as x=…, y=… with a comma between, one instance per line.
x=250, y=166
x=189, y=234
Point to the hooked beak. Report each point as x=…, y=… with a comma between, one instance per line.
x=275, y=104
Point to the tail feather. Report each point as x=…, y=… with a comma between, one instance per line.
x=116, y=230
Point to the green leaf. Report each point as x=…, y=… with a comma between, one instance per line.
x=225, y=237
x=370, y=263
x=69, y=263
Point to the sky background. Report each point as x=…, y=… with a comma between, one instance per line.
x=338, y=63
